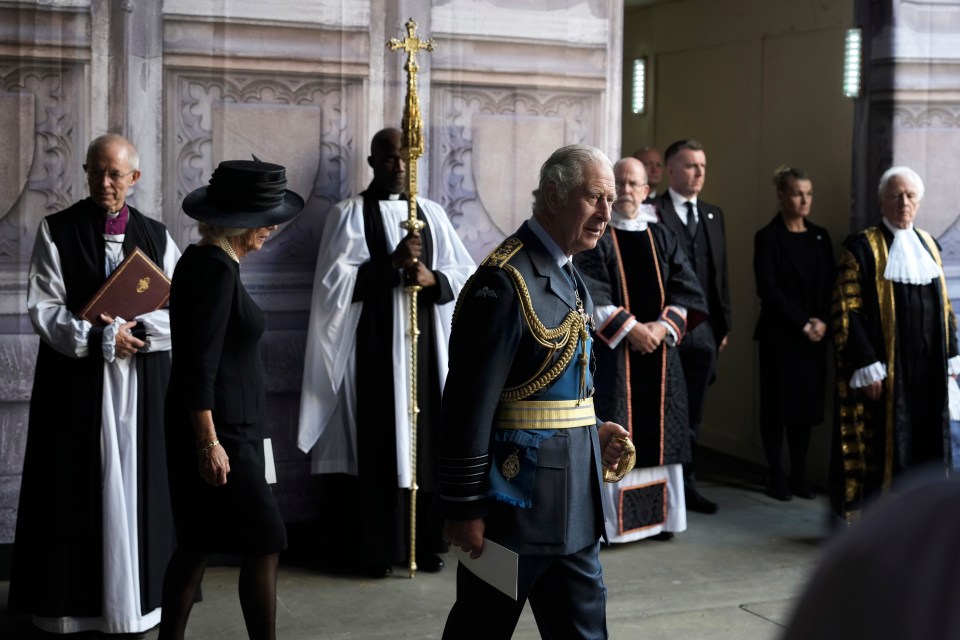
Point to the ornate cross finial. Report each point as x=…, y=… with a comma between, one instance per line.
x=411, y=44
x=412, y=120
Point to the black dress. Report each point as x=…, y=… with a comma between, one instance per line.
x=795, y=274
x=216, y=328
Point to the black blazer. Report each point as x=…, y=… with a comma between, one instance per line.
x=718, y=289
x=789, y=297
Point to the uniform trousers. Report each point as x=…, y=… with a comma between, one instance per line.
x=566, y=593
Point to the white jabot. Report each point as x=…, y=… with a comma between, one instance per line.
x=909, y=261
x=646, y=214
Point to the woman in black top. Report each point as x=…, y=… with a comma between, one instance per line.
x=795, y=268
x=215, y=401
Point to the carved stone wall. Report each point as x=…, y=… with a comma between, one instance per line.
x=301, y=83
x=489, y=144
x=43, y=130
x=911, y=112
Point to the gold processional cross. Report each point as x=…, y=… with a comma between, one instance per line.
x=413, y=148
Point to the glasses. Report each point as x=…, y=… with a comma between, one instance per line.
x=622, y=186
x=112, y=176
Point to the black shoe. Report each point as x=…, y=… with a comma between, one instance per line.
x=377, y=571
x=778, y=491
x=777, y=488
x=663, y=536
x=429, y=563
x=803, y=490
x=696, y=502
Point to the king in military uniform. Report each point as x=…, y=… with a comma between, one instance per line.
x=521, y=450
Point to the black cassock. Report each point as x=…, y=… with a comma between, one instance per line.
x=384, y=508
x=644, y=272
x=57, y=567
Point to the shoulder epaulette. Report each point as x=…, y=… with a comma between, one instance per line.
x=502, y=254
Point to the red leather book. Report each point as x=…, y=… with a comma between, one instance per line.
x=135, y=287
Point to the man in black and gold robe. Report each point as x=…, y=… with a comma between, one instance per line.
x=647, y=297
x=896, y=345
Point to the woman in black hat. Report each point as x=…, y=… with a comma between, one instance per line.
x=215, y=402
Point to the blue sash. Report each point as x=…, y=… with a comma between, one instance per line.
x=514, y=452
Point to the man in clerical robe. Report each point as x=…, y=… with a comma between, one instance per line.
x=355, y=402
x=896, y=344
x=647, y=297
x=94, y=526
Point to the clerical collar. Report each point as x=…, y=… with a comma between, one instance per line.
x=379, y=193
x=552, y=247
x=908, y=261
x=115, y=224
x=646, y=215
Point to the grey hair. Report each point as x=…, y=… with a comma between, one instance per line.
x=214, y=232
x=903, y=172
x=133, y=156
x=564, y=168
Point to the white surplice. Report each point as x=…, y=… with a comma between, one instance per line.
x=328, y=425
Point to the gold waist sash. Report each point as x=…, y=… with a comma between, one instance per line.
x=544, y=414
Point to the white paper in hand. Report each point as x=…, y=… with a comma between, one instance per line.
x=269, y=468
x=497, y=566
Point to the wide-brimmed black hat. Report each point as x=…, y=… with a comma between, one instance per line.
x=244, y=194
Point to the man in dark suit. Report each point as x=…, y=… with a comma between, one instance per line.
x=653, y=165
x=520, y=445
x=700, y=227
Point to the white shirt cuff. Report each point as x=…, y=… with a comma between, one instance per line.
x=953, y=365
x=868, y=375
x=627, y=326
x=671, y=337
x=109, y=345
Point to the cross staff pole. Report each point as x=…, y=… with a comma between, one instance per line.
x=413, y=146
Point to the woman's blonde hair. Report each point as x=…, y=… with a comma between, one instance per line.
x=784, y=174
x=214, y=232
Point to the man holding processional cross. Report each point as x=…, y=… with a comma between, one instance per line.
x=370, y=404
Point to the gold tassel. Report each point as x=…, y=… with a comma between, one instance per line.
x=584, y=363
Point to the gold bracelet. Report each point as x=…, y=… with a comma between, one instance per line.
x=203, y=450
